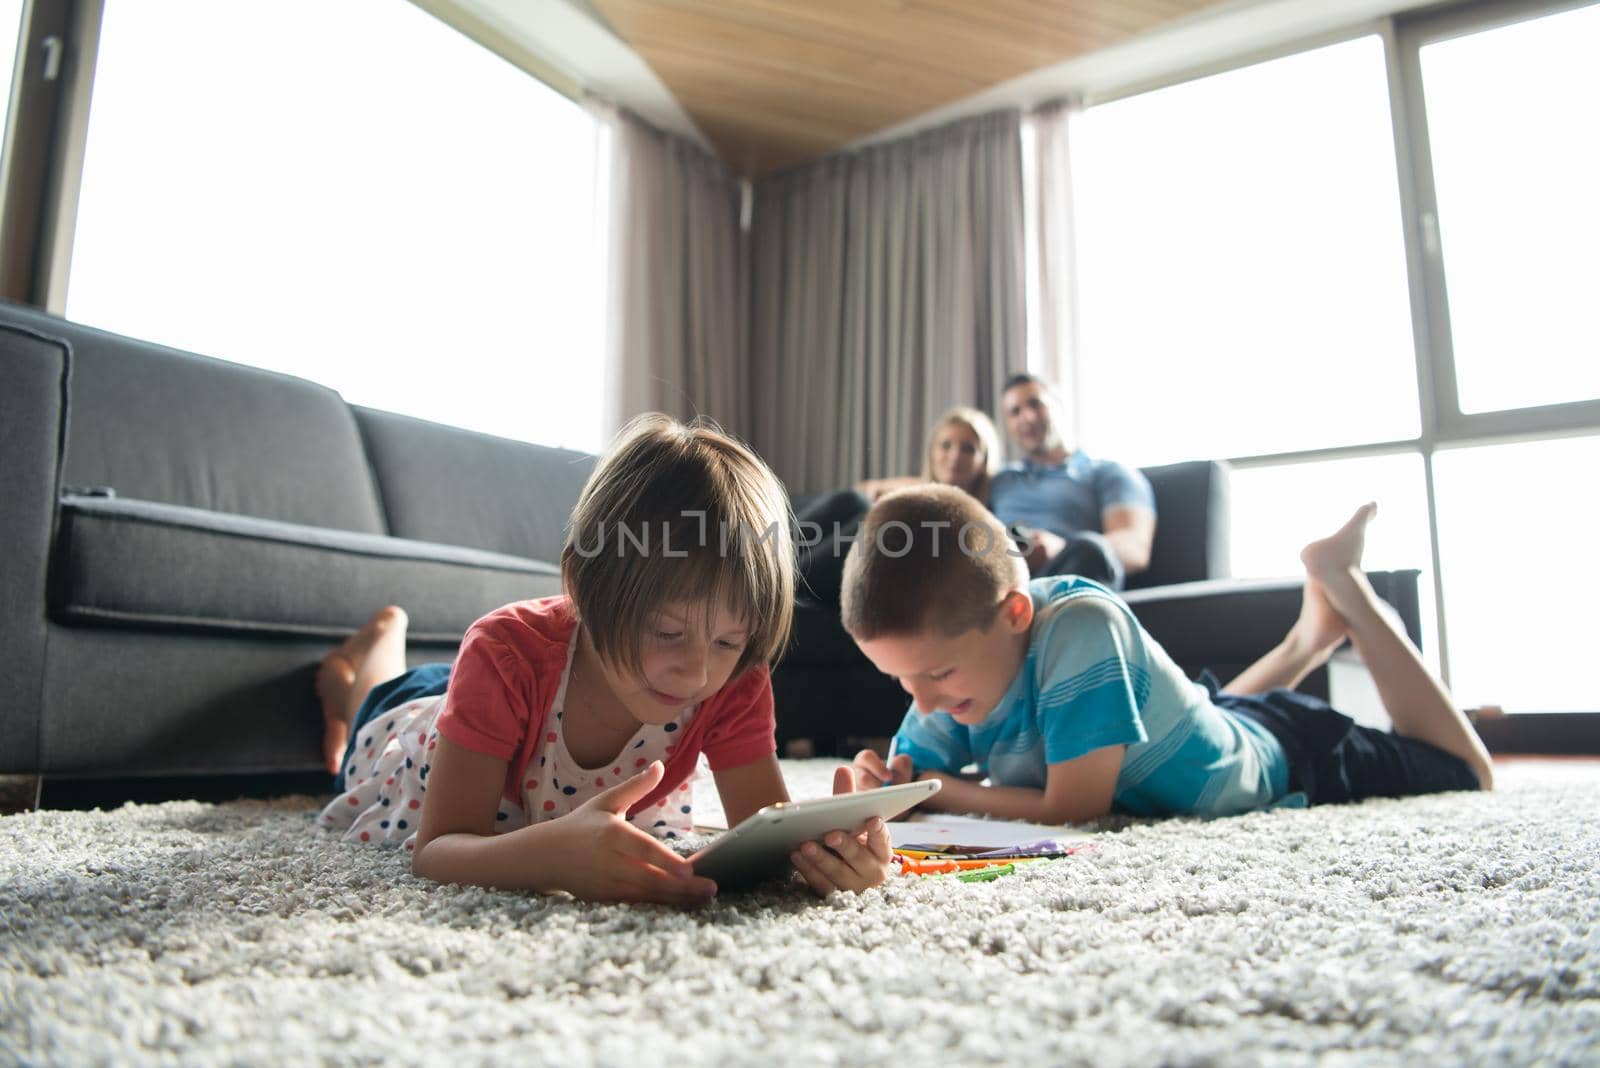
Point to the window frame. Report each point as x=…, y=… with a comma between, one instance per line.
x=45, y=138
x=1410, y=34
x=1442, y=422
x=47, y=132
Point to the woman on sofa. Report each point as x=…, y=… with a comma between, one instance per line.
x=963, y=450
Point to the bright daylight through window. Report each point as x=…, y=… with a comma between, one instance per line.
x=1242, y=291
x=1239, y=240
x=1516, y=164
x=353, y=193
x=1520, y=636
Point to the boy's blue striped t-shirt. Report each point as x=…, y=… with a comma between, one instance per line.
x=1094, y=678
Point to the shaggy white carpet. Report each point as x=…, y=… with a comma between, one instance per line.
x=1450, y=929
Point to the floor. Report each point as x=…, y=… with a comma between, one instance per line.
x=22, y=793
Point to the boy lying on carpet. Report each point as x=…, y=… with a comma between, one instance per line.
x=556, y=753
x=1058, y=695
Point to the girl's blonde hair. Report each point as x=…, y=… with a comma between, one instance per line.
x=680, y=514
x=983, y=429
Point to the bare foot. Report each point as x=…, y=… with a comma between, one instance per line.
x=1334, y=563
x=1329, y=558
x=335, y=676
x=371, y=655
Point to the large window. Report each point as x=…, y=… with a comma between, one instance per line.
x=352, y=193
x=1240, y=244
x=1516, y=163
x=1508, y=223
x=1258, y=278
x=1517, y=530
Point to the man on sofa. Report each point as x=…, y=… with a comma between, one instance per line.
x=1071, y=513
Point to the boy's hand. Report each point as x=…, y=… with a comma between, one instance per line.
x=870, y=771
x=603, y=857
x=843, y=861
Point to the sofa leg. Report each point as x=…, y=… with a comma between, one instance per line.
x=20, y=793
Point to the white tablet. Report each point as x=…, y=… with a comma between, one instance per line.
x=759, y=847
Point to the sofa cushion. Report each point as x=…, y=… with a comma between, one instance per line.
x=818, y=638
x=1191, y=541
x=142, y=563
x=457, y=487
x=157, y=424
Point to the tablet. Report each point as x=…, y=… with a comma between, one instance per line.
x=759, y=847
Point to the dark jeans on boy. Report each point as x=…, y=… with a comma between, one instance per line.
x=1333, y=759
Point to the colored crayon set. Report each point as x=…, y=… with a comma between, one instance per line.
x=974, y=864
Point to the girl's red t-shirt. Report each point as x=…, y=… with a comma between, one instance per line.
x=508, y=672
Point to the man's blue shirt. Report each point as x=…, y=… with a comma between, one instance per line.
x=1068, y=497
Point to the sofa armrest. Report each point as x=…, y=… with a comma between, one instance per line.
x=1191, y=541
x=33, y=419
x=1225, y=625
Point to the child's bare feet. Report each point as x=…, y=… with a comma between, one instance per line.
x=1341, y=550
x=335, y=676
x=371, y=655
x=1334, y=563
x=1417, y=701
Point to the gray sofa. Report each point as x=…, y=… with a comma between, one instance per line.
x=184, y=538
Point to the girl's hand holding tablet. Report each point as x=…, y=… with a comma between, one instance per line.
x=599, y=856
x=845, y=861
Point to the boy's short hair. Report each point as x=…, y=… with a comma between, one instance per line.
x=679, y=513
x=927, y=558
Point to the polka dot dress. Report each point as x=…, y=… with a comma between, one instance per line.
x=386, y=776
x=555, y=784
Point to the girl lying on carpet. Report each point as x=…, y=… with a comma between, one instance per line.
x=557, y=752
x=1057, y=693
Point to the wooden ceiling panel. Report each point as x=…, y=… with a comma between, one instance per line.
x=871, y=79
x=773, y=83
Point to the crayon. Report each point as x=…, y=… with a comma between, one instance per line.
x=946, y=865
x=993, y=855
x=954, y=849
x=984, y=875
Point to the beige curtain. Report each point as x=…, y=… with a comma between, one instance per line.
x=675, y=315
x=886, y=285
x=1051, y=220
